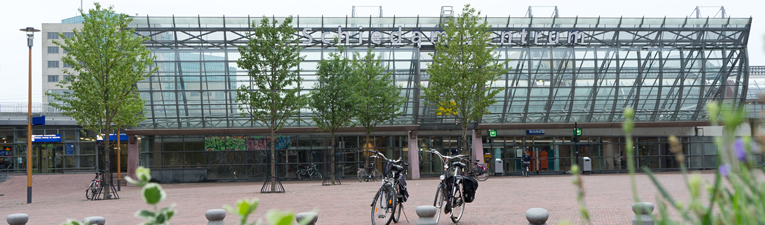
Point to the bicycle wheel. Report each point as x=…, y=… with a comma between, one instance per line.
x=90, y=191
x=316, y=175
x=302, y=175
x=376, y=175
x=438, y=202
x=458, y=205
x=398, y=212
x=482, y=177
x=384, y=206
x=361, y=174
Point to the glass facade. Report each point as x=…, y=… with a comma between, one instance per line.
x=560, y=70
x=71, y=150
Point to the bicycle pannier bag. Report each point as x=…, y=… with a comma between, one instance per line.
x=402, y=189
x=469, y=186
x=481, y=169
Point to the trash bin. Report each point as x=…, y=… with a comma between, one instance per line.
x=586, y=165
x=499, y=167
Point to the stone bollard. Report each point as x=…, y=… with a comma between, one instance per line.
x=643, y=211
x=537, y=216
x=17, y=219
x=302, y=215
x=426, y=214
x=215, y=216
x=94, y=220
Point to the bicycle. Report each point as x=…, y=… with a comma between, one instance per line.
x=479, y=171
x=449, y=189
x=95, y=186
x=525, y=170
x=309, y=173
x=388, y=205
x=369, y=172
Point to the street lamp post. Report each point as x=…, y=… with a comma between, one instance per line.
x=30, y=39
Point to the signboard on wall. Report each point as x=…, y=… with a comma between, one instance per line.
x=112, y=137
x=69, y=149
x=535, y=131
x=37, y=138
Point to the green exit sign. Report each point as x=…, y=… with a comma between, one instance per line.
x=578, y=131
x=492, y=133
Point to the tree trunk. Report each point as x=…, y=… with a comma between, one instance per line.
x=465, y=142
x=108, y=165
x=332, y=160
x=273, y=161
x=365, y=153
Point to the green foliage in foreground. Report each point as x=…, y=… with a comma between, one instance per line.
x=153, y=194
x=736, y=195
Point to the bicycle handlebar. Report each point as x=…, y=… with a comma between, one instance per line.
x=378, y=154
x=443, y=157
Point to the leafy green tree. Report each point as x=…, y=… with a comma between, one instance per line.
x=380, y=100
x=271, y=57
x=332, y=98
x=107, y=61
x=463, y=68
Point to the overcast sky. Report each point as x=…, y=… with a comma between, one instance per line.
x=15, y=15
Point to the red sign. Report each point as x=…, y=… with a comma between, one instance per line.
x=7, y=148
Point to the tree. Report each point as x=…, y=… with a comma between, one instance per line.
x=271, y=57
x=380, y=99
x=107, y=61
x=463, y=68
x=332, y=98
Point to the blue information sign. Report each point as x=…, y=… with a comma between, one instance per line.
x=69, y=149
x=46, y=138
x=113, y=137
x=535, y=131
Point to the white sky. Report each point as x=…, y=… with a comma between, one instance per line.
x=15, y=15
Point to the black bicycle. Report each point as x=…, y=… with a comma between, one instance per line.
x=448, y=190
x=95, y=186
x=309, y=173
x=388, y=205
x=369, y=172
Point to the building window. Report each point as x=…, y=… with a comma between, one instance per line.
x=52, y=64
x=65, y=51
x=52, y=50
x=68, y=35
x=52, y=78
x=67, y=65
x=52, y=35
x=194, y=94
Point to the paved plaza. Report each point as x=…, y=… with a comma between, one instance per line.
x=500, y=200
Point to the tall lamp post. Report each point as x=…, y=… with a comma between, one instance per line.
x=30, y=39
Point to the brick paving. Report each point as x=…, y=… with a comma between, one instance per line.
x=500, y=200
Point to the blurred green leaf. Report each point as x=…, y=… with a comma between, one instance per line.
x=276, y=217
x=153, y=193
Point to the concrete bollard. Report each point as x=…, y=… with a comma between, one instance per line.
x=643, y=211
x=302, y=215
x=426, y=214
x=94, y=220
x=215, y=217
x=17, y=219
x=537, y=216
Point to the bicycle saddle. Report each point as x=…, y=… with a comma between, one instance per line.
x=458, y=164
